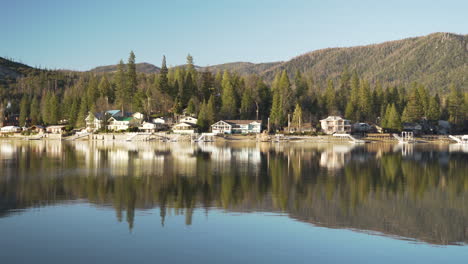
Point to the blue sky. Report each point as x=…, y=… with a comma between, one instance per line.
x=83, y=34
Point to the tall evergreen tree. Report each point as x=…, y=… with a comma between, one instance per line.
x=246, y=105
x=455, y=103
x=24, y=111
x=131, y=74
x=163, y=80
x=297, y=118
x=122, y=92
x=365, y=100
x=414, y=108
x=202, y=120
x=330, y=99
x=105, y=89
x=352, y=107
x=228, y=98
x=35, y=112
x=433, y=112
x=210, y=110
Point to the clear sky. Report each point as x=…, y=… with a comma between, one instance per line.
x=82, y=34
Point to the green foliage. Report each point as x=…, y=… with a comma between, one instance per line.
x=391, y=121
x=24, y=111
x=455, y=103
x=228, y=98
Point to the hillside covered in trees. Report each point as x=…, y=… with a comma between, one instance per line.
x=385, y=84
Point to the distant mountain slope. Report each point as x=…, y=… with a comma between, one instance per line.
x=435, y=60
x=10, y=70
x=243, y=67
x=140, y=67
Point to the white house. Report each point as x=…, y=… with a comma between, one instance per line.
x=335, y=124
x=10, y=129
x=159, y=120
x=188, y=119
x=121, y=123
x=55, y=129
x=138, y=115
x=184, y=128
x=236, y=126
x=94, y=120
x=151, y=127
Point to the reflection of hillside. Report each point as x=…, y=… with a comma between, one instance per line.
x=376, y=189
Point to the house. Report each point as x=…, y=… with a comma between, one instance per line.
x=335, y=124
x=94, y=121
x=412, y=127
x=362, y=128
x=162, y=123
x=188, y=119
x=10, y=120
x=237, y=126
x=184, y=128
x=37, y=129
x=152, y=127
x=117, y=123
x=55, y=129
x=138, y=115
x=10, y=129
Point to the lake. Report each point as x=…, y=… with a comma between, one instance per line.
x=150, y=202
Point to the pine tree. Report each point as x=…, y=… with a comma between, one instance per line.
x=246, y=105
x=188, y=89
x=105, y=89
x=352, y=107
x=24, y=111
x=455, y=103
x=424, y=99
x=92, y=90
x=210, y=110
x=365, y=100
x=433, y=112
x=391, y=120
x=414, y=108
x=35, y=113
x=54, y=110
x=276, y=114
x=297, y=117
x=202, y=120
x=83, y=113
x=330, y=99
x=131, y=74
x=228, y=98
x=394, y=121
x=122, y=93
x=301, y=85
x=287, y=98
x=163, y=80
x=191, y=107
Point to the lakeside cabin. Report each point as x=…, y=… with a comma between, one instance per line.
x=10, y=129
x=335, y=124
x=237, y=127
x=184, y=128
x=55, y=129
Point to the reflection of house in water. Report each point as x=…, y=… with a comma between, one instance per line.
x=336, y=156
x=458, y=148
x=7, y=151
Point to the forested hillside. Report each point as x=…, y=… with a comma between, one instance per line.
x=385, y=84
x=140, y=67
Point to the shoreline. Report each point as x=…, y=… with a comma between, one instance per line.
x=157, y=137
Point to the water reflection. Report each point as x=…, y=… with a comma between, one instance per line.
x=413, y=191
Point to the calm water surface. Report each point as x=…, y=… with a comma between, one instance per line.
x=125, y=202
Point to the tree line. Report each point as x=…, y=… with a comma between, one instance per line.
x=51, y=97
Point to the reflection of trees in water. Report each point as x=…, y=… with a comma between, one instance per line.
x=419, y=196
